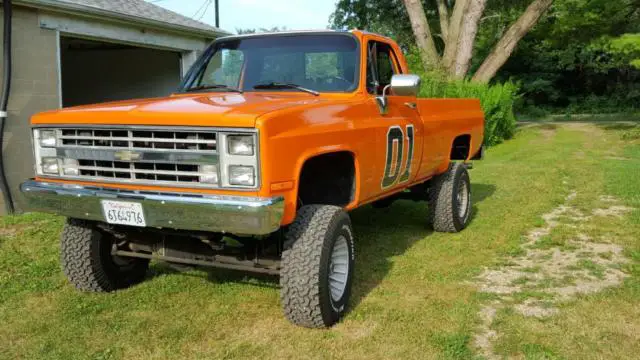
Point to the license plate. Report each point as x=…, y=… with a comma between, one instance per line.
x=123, y=213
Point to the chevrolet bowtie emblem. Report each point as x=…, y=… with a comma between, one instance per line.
x=127, y=155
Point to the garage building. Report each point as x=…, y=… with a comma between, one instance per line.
x=75, y=52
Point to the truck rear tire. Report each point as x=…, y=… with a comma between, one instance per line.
x=450, y=200
x=85, y=254
x=317, y=266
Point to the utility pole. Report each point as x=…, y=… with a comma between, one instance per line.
x=217, y=5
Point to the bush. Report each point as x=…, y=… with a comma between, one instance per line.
x=497, y=102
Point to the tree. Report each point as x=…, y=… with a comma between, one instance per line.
x=444, y=31
x=578, y=57
x=460, y=34
x=261, y=30
x=627, y=46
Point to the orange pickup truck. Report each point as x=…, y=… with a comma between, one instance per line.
x=253, y=164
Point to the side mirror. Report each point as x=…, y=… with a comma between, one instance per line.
x=405, y=84
x=401, y=85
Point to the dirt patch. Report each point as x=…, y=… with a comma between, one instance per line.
x=615, y=211
x=548, y=273
x=356, y=330
x=547, y=133
x=581, y=126
x=617, y=158
x=484, y=338
x=13, y=230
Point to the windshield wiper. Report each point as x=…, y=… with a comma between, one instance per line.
x=214, y=86
x=278, y=85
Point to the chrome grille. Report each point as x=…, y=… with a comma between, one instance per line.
x=139, y=139
x=140, y=170
x=139, y=155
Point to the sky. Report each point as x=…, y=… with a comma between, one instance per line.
x=256, y=14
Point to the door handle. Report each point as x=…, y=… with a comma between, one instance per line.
x=410, y=105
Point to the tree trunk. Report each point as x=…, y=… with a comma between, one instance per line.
x=508, y=42
x=455, y=23
x=443, y=12
x=422, y=32
x=467, y=38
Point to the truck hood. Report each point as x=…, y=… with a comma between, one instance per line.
x=210, y=109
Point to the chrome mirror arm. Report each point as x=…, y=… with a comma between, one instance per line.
x=382, y=100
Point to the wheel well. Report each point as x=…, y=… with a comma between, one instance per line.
x=460, y=147
x=328, y=179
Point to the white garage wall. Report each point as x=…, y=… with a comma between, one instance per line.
x=93, y=76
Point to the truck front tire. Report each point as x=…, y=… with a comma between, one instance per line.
x=85, y=254
x=450, y=200
x=317, y=266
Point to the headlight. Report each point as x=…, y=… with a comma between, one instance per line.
x=47, y=138
x=242, y=175
x=209, y=174
x=50, y=166
x=239, y=165
x=70, y=167
x=240, y=144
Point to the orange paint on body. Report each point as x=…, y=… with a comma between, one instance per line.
x=295, y=126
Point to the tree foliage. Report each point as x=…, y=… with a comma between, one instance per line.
x=443, y=30
x=580, y=57
x=260, y=30
x=627, y=46
x=582, y=54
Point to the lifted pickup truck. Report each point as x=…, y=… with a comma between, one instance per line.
x=253, y=165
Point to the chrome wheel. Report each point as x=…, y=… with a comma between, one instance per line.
x=462, y=200
x=339, y=268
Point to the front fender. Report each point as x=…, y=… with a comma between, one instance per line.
x=291, y=138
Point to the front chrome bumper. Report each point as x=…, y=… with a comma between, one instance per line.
x=231, y=214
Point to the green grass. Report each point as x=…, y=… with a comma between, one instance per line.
x=412, y=296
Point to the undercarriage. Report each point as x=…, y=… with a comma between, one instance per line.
x=258, y=254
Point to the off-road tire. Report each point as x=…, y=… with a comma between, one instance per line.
x=304, y=276
x=444, y=210
x=85, y=255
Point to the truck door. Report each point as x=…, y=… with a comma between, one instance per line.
x=398, y=130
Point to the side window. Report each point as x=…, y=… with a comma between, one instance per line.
x=385, y=66
x=224, y=68
x=380, y=67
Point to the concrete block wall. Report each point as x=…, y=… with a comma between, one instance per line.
x=34, y=88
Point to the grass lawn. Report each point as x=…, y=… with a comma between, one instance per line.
x=569, y=191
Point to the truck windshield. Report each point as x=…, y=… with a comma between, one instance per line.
x=310, y=63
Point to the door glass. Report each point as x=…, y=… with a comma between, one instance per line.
x=385, y=66
x=382, y=69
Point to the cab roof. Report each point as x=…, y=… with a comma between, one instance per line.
x=294, y=32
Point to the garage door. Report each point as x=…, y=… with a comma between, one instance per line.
x=95, y=72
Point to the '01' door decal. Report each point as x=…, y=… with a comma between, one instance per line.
x=395, y=135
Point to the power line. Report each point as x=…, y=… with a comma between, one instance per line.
x=202, y=10
x=205, y=6
x=205, y=10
